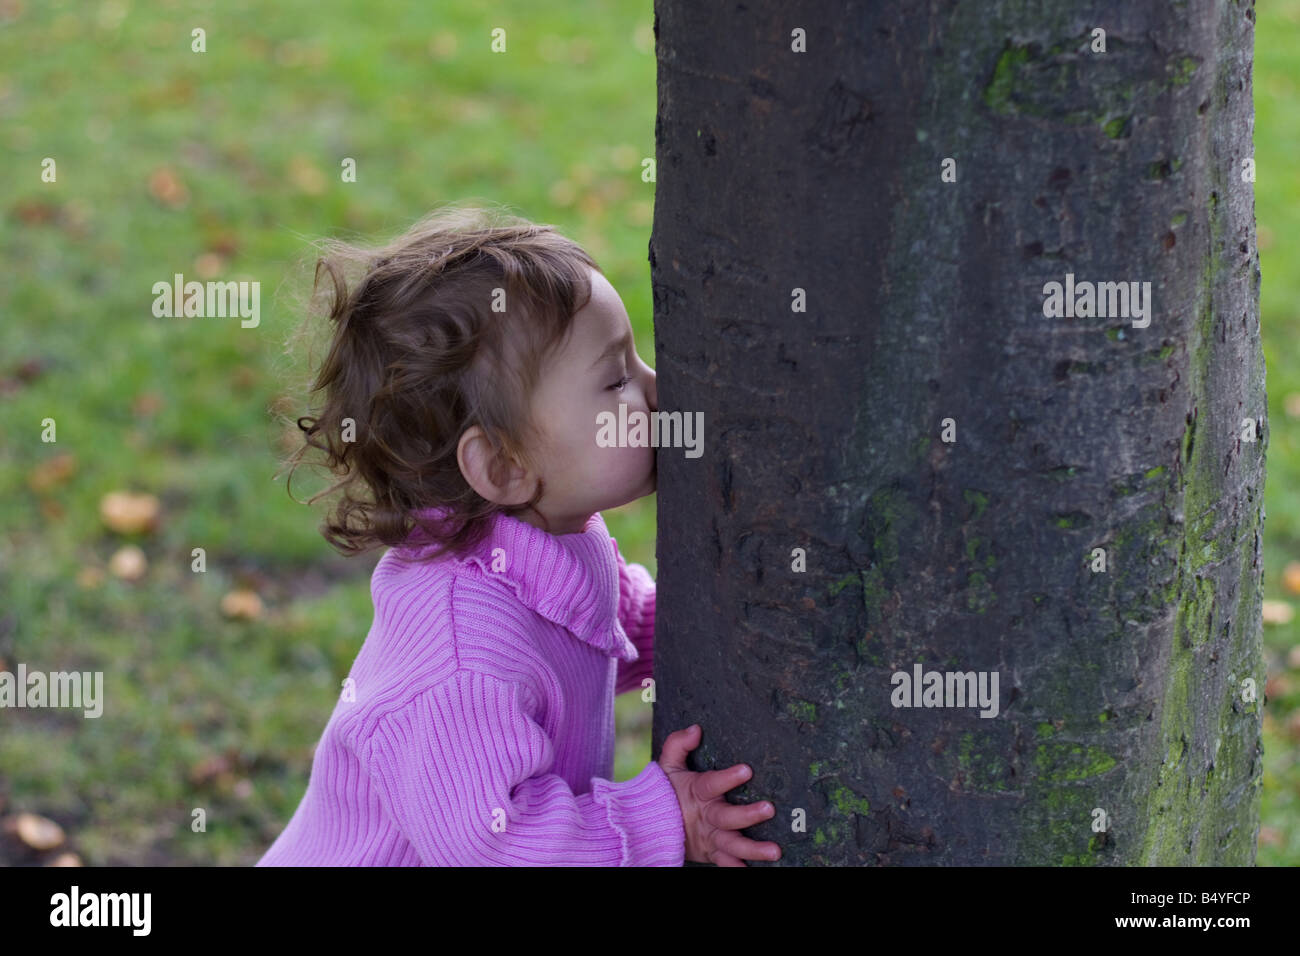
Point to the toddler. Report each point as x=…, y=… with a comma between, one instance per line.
x=461, y=389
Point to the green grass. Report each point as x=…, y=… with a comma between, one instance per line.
x=203, y=712
x=1277, y=210
x=206, y=713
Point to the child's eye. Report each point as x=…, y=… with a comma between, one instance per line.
x=618, y=386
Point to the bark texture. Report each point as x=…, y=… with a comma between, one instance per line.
x=1122, y=692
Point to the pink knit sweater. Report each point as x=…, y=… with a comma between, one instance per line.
x=477, y=724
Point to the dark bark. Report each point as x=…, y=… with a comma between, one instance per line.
x=1120, y=690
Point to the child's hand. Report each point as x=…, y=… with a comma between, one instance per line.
x=709, y=820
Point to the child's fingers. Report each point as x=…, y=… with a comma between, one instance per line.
x=731, y=842
x=678, y=744
x=714, y=783
x=738, y=816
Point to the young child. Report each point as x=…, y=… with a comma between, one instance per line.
x=462, y=386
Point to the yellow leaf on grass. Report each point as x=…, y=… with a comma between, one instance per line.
x=1277, y=612
x=51, y=473
x=167, y=188
x=128, y=563
x=129, y=513
x=89, y=577
x=37, y=832
x=242, y=605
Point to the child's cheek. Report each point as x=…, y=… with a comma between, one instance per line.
x=623, y=466
x=641, y=462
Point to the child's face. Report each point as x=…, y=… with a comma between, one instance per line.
x=578, y=382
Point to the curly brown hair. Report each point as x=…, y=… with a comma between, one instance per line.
x=446, y=327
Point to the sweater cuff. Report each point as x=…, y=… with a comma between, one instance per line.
x=647, y=816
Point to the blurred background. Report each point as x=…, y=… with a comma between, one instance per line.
x=223, y=165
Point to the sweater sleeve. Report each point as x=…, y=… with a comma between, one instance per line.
x=463, y=772
x=636, y=612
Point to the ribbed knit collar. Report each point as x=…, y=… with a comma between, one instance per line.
x=571, y=579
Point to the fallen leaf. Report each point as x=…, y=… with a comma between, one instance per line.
x=1291, y=577
x=128, y=563
x=1276, y=686
x=1270, y=836
x=563, y=193
x=243, y=376
x=37, y=832
x=76, y=219
x=90, y=577
x=1292, y=404
x=167, y=188
x=208, y=265
x=24, y=373
x=442, y=45
x=224, y=244
x=1277, y=612
x=36, y=212
x=128, y=513
x=208, y=769
x=147, y=403
x=304, y=174
x=52, y=472
x=66, y=859
x=1293, y=657
x=242, y=604
x=29, y=370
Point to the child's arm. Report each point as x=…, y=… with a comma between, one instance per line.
x=636, y=612
x=464, y=772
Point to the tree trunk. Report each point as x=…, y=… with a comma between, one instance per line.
x=1071, y=502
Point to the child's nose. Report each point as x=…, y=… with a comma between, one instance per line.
x=652, y=393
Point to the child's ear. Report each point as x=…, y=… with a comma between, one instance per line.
x=494, y=476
